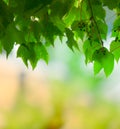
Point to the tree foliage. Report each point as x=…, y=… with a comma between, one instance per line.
x=34, y=26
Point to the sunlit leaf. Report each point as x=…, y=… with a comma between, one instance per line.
x=97, y=67
x=105, y=59
x=89, y=48
x=115, y=49
x=35, y=25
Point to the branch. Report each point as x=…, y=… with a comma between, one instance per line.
x=92, y=16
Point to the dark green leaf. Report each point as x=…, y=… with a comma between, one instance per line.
x=111, y=3
x=70, y=39
x=24, y=53
x=102, y=26
x=99, y=11
x=12, y=36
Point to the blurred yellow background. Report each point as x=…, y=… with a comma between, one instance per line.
x=61, y=95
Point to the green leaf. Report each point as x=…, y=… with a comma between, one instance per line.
x=99, y=11
x=115, y=49
x=97, y=67
x=103, y=28
x=105, y=59
x=24, y=53
x=116, y=28
x=36, y=24
x=79, y=32
x=70, y=39
x=49, y=31
x=69, y=18
x=6, y=1
x=32, y=52
x=84, y=13
x=12, y=36
x=6, y=15
x=39, y=52
x=58, y=23
x=108, y=63
x=59, y=8
x=89, y=48
x=2, y=29
x=116, y=23
x=36, y=28
x=1, y=47
x=22, y=23
x=111, y=3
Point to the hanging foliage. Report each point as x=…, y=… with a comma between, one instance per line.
x=34, y=25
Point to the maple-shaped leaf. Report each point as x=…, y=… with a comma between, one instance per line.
x=32, y=52
x=70, y=39
x=105, y=60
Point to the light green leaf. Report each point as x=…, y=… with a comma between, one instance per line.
x=89, y=47
x=72, y=15
x=108, y=63
x=79, y=32
x=6, y=1
x=105, y=59
x=115, y=49
x=97, y=67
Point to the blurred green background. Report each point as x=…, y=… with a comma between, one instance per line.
x=64, y=94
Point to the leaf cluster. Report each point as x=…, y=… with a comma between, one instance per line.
x=34, y=26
